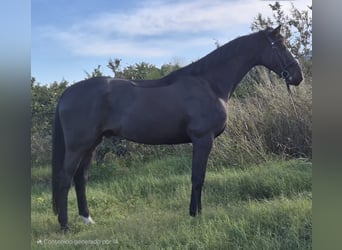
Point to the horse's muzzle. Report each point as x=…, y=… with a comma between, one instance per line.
x=294, y=76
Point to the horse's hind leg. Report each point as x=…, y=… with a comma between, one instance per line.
x=80, y=180
x=71, y=162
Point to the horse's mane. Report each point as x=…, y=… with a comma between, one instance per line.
x=223, y=53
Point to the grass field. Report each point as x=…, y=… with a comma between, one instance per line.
x=145, y=206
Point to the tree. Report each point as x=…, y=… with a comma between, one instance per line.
x=115, y=67
x=168, y=68
x=43, y=105
x=141, y=71
x=96, y=72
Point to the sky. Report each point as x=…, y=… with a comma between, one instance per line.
x=71, y=37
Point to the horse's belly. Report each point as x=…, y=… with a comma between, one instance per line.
x=155, y=137
x=154, y=130
x=152, y=140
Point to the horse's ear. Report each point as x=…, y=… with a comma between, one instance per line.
x=276, y=31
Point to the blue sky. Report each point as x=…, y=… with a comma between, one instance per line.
x=70, y=37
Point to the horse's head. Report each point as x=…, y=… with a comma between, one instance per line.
x=279, y=59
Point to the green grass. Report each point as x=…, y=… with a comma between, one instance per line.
x=145, y=206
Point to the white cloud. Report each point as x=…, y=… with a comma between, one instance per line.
x=162, y=18
x=190, y=16
x=153, y=29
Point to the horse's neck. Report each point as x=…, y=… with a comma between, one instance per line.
x=225, y=74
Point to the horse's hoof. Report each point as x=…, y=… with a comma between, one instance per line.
x=64, y=229
x=193, y=214
x=87, y=220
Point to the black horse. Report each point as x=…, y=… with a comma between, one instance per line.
x=187, y=105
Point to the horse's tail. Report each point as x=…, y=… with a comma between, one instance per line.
x=58, y=152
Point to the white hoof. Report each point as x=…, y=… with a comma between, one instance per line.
x=88, y=220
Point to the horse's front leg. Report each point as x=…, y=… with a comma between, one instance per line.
x=200, y=154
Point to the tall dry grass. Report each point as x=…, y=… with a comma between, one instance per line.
x=266, y=123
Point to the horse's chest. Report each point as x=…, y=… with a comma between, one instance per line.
x=208, y=117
